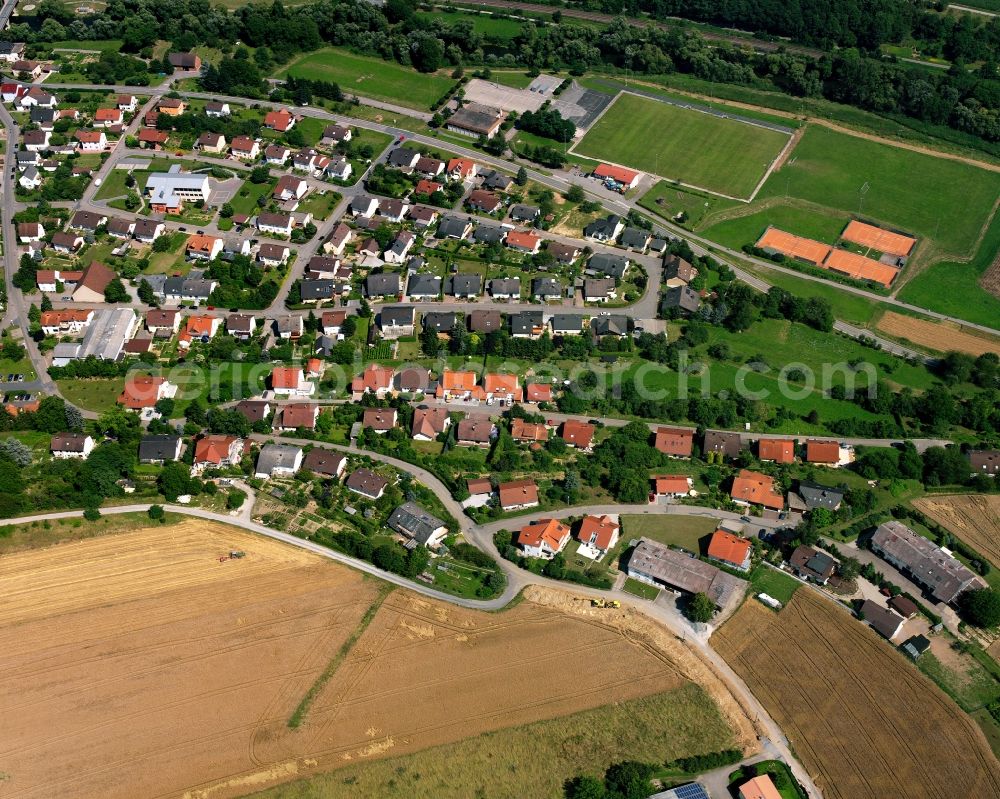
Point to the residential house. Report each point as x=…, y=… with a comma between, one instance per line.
x=65, y=322
x=382, y=284
x=325, y=462
x=428, y=167
x=677, y=271
x=335, y=134
x=812, y=564
x=290, y=381
x=289, y=326
x=87, y=221
x=543, y=539
x=273, y=255
x=214, y=108
x=681, y=300
x=817, y=496
x=66, y=243
x=400, y=248
x=366, y=483
x=298, y=415
x=163, y=320
x=339, y=168
x=30, y=231
x=396, y=321
x=505, y=288
x=281, y=120
x=488, y=234
x=460, y=386
x=199, y=328
x=149, y=230
x=730, y=549
x=753, y=488
x=429, y=423
x=676, y=442
x=483, y=201
x=64, y=446
x=415, y=380
x=606, y=229
x=634, y=238
x=160, y=449
x=403, y=158
x=151, y=139
x=828, y=453
x=417, y=525
x=725, y=444
x=563, y=253
x=453, y=227
x=615, y=266
x=500, y=388
x=528, y=432
x=278, y=460
x=45, y=118
x=599, y=289
x=760, y=787
x=672, y=486
x=30, y=179
x=884, y=621
x=475, y=431
x=338, y=240
x=462, y=168
x=424, y=287
x=203, y=248
x=381, y=420
x=121, y=228
x=276, y=154
x=245, y=148
x=520, y=212
x=578, y=434
x=538, y=392
x=483, y=321
x=274, y=223
x=216, y=451
x=185, y=61
x=144, y=391
x=241, y=326
x=984, y=461
x=527, y=324
x=523, y=242
x=933, y=568
x=465, y=287
x=496, y=181
x=93, y=282
x=546, y=289
x=38, y=140
x=332, y=323
x=375, y=379
x=779, y=450
x=290, y=187
x=107, y=117
x=441, y=323
x=599, y=534
x=422, y=216
x=209, y=142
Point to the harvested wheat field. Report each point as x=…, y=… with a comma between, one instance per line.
x=974, y=518
x=141, y=665
x=939, y=336
x=863, y=720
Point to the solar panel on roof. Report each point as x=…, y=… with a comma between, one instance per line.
x=692, y=790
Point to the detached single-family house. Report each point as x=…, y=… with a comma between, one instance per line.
x=71, y=445
x=366, y=483
x=599, y=534
x=730, y=549
x=543, y=539
x=278, y=460
x=290, y=381
x=216, y=451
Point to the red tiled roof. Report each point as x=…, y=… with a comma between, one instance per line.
x=671, y=484
x=757, y=489
x=728, y=548
x=579, y=434
x=549, y=531
x=674, y=441
x=286, y=377
x=822, y=451
x=781, y=450
x=598, y=531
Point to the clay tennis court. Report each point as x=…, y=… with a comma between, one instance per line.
x=826, y=257
x=139, y=665
x=878, y=238
x=859, y=267
x=795, y=246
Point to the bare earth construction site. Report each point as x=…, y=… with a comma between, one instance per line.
x=142, y=665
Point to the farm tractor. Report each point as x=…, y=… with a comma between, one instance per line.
x=234, y=554
x=604, y=603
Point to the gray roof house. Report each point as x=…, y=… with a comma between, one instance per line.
x=684, y=298
x=403, y=157
x=382, y=284
x=527, y=324
x=160, y=448
x=606, y=229
x=505, y=288
x=817, y=496
x=278, y=460
x=440, y=322
x=546, y=288
x=412, y=521
x=812, y=564
x=524, y=213
x=635, y=238
x=607, y=264
x=726, y=443
x=488, y=234
x=599, y=289
x=317, y=290
x=424, y=287
x=496, y=180
x=564, y=324
x=396, y=321
x=454, y=227
x=942, y=575
x=882, y=620
x=611, y=325
x=466, y=286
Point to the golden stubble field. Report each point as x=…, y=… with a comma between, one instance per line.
x=139, y=665
x=974, y=518
x=939, y=336
x=864, y=721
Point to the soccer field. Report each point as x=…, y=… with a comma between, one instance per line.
x=371, y=77
x=700, y=149
x=935, y=198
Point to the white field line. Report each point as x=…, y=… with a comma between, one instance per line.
x=674, y=181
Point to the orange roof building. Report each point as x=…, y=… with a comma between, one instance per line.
x=216, y=450
x=827, y=452
x=780, y=450
x=142, y=391
x=279, y=120
x=543, y=539
x=759, y=788
x=675, y=441
x=754, y=488
x=578, y=434
x=538, y=392
x=619, y=174
x=526, y=242
x=730, y=549
x=598, y=532
x=375, y=379
x=518, y=494
x=299, y=414
x=671, y=485
x=521, y=430
x=286, y=377
x=458, y=385
x=501, y=386
x=461, y=168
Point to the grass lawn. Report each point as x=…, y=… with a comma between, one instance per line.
x=516, y=80
x=484, y=24
x=533, y=759
x=682, y=531
x=921, y=194
x=101, y=45
x=765, y=580
x=21, y=367
x=245, y=200
x=35, y=439
x=171, y=260
x=372, y=77
x=311, y=129
x=320, y=205
x=19, y=537
x=667, y=199
x=969, y=684
x=98, y=394
x=722, y=155
x=823, y=226
x=965, y=297
x=641, y=590
x=114, y=184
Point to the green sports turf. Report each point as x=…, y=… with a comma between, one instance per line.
x=722, y=155
x=371, y=77
x=931, y=197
